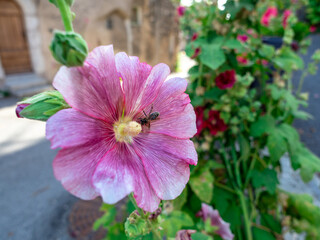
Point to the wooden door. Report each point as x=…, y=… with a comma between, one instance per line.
x=14, y=50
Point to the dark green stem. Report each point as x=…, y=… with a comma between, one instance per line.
x=65, y=15
x=225, y=187
x=247, y=222
x=235, y=163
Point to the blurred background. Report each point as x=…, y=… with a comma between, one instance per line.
x=33, y=205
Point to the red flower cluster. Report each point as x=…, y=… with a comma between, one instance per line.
x=226, y=79
x=270, y=13
x=214, y=123
x=286, y=15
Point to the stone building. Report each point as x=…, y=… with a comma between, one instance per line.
x=144, y=28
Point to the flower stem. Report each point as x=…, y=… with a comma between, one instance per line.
x=247, y=222
x=65, y=15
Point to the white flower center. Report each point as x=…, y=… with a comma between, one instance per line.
x=125, y=130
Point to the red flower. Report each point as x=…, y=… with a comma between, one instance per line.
x=286, y=15
x=312, y=28
x=271, y=12
x=242, y=59
x=243, y=38
x=226, y=79
x=181, y=10
x=194, y=36
x=196, y=53
x=215, y=123
x=200, y=123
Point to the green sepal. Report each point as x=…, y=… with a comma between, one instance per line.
x=136, y=227
x=69, y=48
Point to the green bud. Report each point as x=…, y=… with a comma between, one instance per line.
x=69, y=2
x=41, y=106
x=135, y=226
x=69, y=48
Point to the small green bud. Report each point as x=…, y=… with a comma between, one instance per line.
x=41, y=106
x=69, y=48
x=136, y=226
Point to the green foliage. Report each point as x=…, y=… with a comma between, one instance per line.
x=264, y=124
x=136, y=226
x=262, y=234
x=201, y=184
x=212, y=56
x=266, y=178
x=43, y=105
x=175, y=221
x=200, y=236
x=69, y=2
x=69, y=48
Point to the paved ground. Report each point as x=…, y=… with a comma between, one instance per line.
x=34, y=206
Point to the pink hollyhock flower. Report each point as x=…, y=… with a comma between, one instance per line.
x=207, y=212
x=181, y=10
x=243, y=38
x=196, y=53
x=201, y=124
x=215, y=123
x=286, y=15
x=242, y=59
x=270, y=13
x=19, y=108
x=312, y=28
x=194, y=36
x=109, y=147
x=226, y=79
x=264, y=62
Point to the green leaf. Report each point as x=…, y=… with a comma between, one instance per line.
x=262, y=234
x=288, y=60
x=233, y=44
x=175, y=222
x=106, y=219
x=222, y=199
x=116, y=232
x=277, y=145
x=202, y=185
x=181, y=200
x=214, y=94
x=200, y=236
x=267, y=178
x=267, y=51
x=244, y=148
x=265, y=124
x=271, y=222
x=212, y=56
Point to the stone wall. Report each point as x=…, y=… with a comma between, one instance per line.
x=144, y=28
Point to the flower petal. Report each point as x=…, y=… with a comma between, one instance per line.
x=166, y=162
x=177, y=117
x=69, y=128
x=93, y=89
x=121, y=172
x=74, y=167
x=134, y=75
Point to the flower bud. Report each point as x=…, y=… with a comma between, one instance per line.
x=41, y=106
x=136, y=226
x=69, y=48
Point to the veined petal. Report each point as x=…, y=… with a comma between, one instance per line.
x=74, y=167
x=177, y=117
x=121, y=172
x=68, y=128
x=134, y=75
x=93, y=89
x=166, y=162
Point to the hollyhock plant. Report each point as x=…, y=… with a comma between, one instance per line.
x=286, y=15
x=226, y=79
x=127, y=130
x=270, y=13
x=207, y=212
x=215, y=123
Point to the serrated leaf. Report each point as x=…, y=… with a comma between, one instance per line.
x=202, y=185
x=266, y=51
